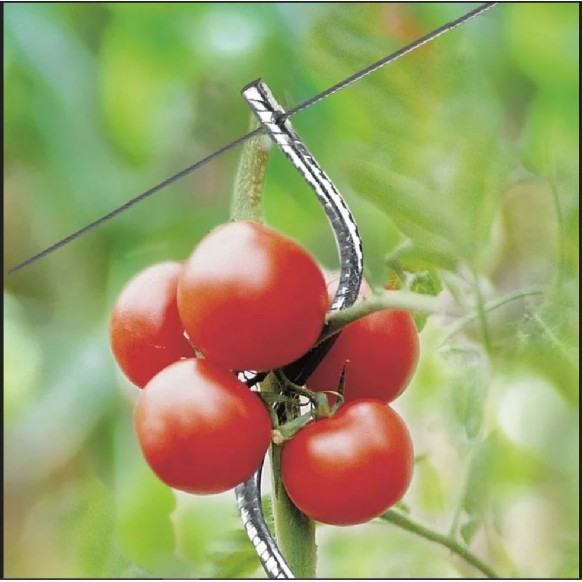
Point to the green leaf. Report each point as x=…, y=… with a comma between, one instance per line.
x=469, y=529
x=23, y=360
x=89, y=527
x=468, y=383
x=430, y=488
x=480, y=471
x=548, y=343
x=498, y=464
x=433, y=161
x=233, y=556
x=142, y=93
x=401, y=506
x=143, y=527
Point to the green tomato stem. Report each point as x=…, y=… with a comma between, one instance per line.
x=402, y=521
x=294, y=531
x=250, y=178
x=415, y=302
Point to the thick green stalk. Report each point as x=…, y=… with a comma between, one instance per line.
x=294, y=531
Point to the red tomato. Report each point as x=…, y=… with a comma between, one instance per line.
x=251, y=298
x=351, y=467
x=200, y=429
x=381, y=351
x=146, y=333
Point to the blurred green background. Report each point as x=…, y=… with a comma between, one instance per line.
x=460, y=162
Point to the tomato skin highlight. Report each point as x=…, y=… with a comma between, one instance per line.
x=145, y=331
x=200, y=429
x=351, y=467
x=251, y=298
x=381, y=351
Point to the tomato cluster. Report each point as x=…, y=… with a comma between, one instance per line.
x=249, y=298
x=351, y=467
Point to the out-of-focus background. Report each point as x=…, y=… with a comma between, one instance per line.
x=460, y=162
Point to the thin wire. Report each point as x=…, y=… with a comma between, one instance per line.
x=134, y=201
x=390, y=58
x=301, y=107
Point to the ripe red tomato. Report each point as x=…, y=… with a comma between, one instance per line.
x=251, y=298
x=200, y=429
x=146, y=333
x=351, y=467
x=381, y=350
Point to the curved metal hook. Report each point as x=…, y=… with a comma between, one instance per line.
x=271, y=116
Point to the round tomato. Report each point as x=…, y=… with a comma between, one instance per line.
x=200, y=429
x=351, y=467
x=381, y=351
x=251, y=298
x=146, y=333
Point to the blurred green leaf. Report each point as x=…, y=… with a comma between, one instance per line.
x=468, y=384
x=431, y=496
x=457, y=151
x=143, y=527
x=234, y=556
x=104, y=101
x=90, y=521
x=469, y=529
x=480, y=472
x=22, y=367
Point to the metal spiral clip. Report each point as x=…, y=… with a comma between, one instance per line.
x=274, y=121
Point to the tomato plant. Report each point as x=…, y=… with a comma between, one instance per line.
x=350, y=467
x=200, y=429
x=251, y=298
x=146, y=333
x=380, y=352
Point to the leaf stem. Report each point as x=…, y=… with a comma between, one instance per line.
x=398, y=519
x=407, y=300
x=490, y=306
x=482, y=316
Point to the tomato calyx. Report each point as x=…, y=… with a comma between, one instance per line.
x=287, y=431
x=318, y=400
x=289, y=394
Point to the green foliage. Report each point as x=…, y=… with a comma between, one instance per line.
x=468, y=387
x=143, y=527
x=460, y=163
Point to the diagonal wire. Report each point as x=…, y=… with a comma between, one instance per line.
x=135, y=200
x=301, y=107
x=390, y=58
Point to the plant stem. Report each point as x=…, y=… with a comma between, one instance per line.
x=490, y=306
x=398, y=519
x=409, y=301
x=294, y=531
x=248, y=189
x=483, y=323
